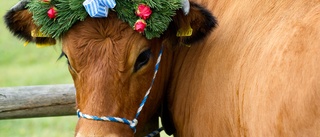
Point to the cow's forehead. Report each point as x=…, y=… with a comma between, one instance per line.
x=103, y=39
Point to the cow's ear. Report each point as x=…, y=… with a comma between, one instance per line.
x=192, y=27
x=19, y=21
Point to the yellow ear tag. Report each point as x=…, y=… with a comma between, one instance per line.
x=39, y=34
x=185, y=32
x=37, y=45
x=42, y=45
x=35, y=33
x=26, y=43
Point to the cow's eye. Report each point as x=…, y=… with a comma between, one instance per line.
x=142, y=59
x=64, y=55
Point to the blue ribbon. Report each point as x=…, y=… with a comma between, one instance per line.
x=98, y=8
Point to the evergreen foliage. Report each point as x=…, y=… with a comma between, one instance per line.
x=71, y=11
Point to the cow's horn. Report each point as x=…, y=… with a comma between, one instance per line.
x=21, y=5
x=185, y=6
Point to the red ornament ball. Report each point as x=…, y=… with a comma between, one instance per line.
x=46, y=1
x=52, y=13
x=140, y=25
x=143, y=11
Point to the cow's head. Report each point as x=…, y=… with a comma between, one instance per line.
x=112, y=65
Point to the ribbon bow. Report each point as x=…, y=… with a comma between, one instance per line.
x=98, y=8
x=185, y=6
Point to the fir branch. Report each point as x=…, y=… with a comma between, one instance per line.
x=71, y=11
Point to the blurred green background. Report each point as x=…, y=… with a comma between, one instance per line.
x=26, y=66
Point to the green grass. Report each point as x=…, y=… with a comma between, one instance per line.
x=25, y=66
x=28, y=65
x=38, y=127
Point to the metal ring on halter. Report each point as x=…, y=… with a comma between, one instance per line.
x=132, y=123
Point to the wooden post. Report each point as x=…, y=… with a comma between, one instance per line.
x=37, y=101
x=46, y=101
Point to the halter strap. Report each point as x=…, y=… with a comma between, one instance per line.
x=132, y=123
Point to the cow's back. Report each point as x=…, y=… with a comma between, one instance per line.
x=258, y=74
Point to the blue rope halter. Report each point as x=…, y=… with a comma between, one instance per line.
x=132, y=123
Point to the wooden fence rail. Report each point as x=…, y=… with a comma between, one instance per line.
x=37, y=101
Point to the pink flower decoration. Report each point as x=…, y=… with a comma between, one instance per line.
x=46, y=1
x=52, y=13
x=140, y=25
x=143, y=11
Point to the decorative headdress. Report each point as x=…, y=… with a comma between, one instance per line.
x=149, y=17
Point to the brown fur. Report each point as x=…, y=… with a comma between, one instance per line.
x=257, y=75
x=102, y=55
x=102, y=58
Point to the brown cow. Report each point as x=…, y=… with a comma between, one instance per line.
x=256, y=75
x=112, y=65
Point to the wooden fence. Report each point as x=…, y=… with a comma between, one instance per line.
x=37, y=101
x=45, y=101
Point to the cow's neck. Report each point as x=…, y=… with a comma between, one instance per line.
x=207, y=81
